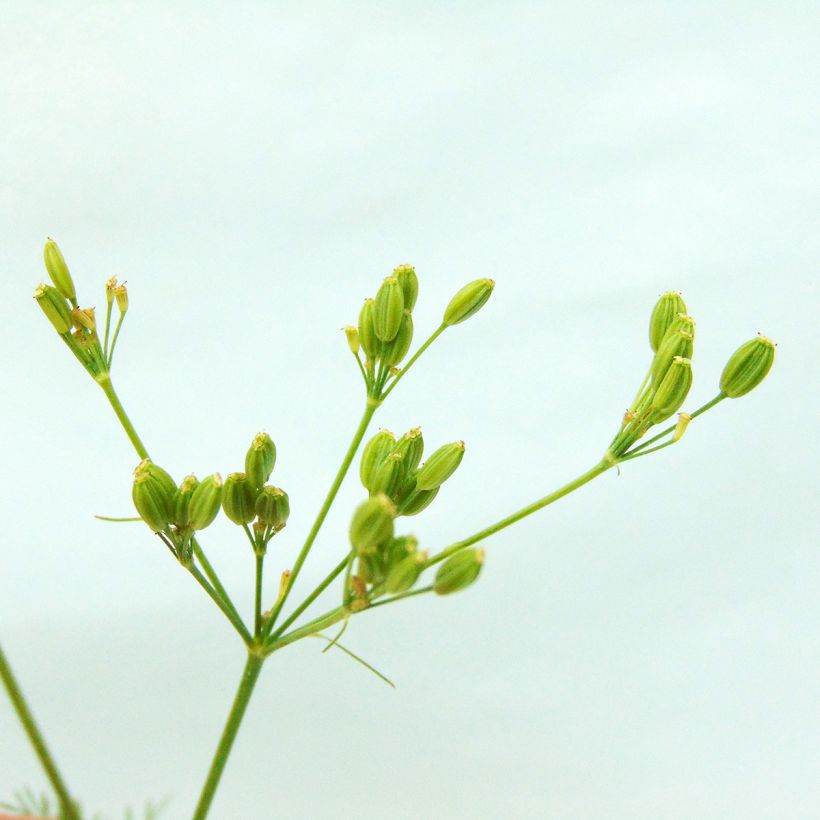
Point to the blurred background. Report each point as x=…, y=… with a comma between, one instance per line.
x=646, y=648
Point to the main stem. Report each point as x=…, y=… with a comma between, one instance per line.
x=36, y=739
x=370, y=409
x=240, y=704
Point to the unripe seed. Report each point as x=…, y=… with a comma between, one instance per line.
x=417, y=501
x=55, y=307
x=666, y=309
x=153, y=494
x=259, y=461
x=409, y=282
x=372, y=525
x=58, y=271
x=388, y=476
x=121, y=295
x=747, y=367
x=388, y=309
x=367, y=330
x=399, y=548
x=205, y=502
x=458, y=571
x=410, y=447
x=352, y=336
x=239, y=498
x=677, y=342
x=273, y=507
x=440, y=466
x=84, y=318
x=404, y=574
x=673, y=390
x=375, y=452
x=393, y=352
x=182, y=501
x=469, y=300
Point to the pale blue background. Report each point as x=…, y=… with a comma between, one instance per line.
x=646, y=649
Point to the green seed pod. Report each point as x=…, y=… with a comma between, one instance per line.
x=747, y=367
x=673, y=390
x=182, y=501
x=663, y=314
x=84, y=318
x=440, y=466
x=55, y=307
x=239, y=498
x=58, y=271
x=410, y=447
x=372, y=525
x=375, y=452
x=273, y=507
x=469, y=300
x=399, y=548
x=367, y=330
x=404, y=574
x=417, y=501
x=352, y=336
x=121, y=295
x=259, y=460
x=409, y=282
x=393, y=352
x=205, y=502
x=153, y=494
x=388, y=476
x=458, y=571
x=388, y=309
x=677, y=342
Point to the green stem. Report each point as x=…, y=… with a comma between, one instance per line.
x=708, y=406
x=68, y=809
x=639, y=453
x=413, y=359
x=114, y=340
x=401, y=596
x=75, y=349
x=331, y=576
x=316, y=625
x=370, y=409
x=582, y=479
x=235, y=620
x=104, y=380
x=257, y=619
x=240, y=704
x=213, y=577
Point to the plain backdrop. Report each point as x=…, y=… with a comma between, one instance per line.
x=647, y=648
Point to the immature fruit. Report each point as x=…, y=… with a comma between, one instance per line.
x=388, y=476
x=153, y=494
x=440, y=466
x=260, y=460
x=458, y=571
x=673, y=390
x=393, y=352
x=410, y=447
x=352, y=336
x=747, y=367
x=405, y=573
x=375, y=452
x=372, y=525
x=182, y=501
x=417, y=501
x=666, y=309
x=409, y=282
x=367, y=330
x=205, y=502
x=55, y=307
x=469, y=300
x=58, y=271
x=273, y=507
x=239, y=499
x=388, y=309
x=677, y=342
